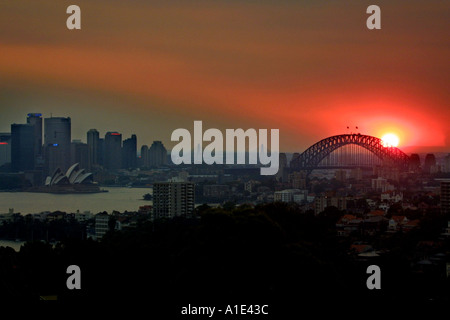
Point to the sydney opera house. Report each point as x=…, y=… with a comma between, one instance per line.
x=73, y=176
x=75, y=180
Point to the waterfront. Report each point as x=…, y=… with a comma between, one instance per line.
x=119, y=199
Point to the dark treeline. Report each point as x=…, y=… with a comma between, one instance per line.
x=29, y=229
x=271, y=254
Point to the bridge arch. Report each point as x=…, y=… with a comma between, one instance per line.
x=312, y=156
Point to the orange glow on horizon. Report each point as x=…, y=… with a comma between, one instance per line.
x=290, y=66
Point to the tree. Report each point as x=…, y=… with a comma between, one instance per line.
x=147, y=197
x=229, y=206
x=202, y=208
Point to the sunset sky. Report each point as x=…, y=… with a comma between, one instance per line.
x=307, y=68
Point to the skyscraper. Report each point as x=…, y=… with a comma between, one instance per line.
x=5, y=148
x=144, y=157
x=447, y=164
x=22, y=147
x=79, y=154
x=57, y=139
x=283, y=170
x=113, y=151
x=129, y=153
x=35, y=119
x=414, y=162
x=93, y=148
x=157, y=154
x=101, y=151
x=430, y=161
x=173, y=199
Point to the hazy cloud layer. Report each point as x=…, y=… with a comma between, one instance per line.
x=308, y=68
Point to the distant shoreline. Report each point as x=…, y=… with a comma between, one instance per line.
x=101, y=190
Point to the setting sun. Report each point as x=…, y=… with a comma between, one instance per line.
x=390, y=140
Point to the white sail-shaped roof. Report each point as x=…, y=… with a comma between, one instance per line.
x=72, y=170
x=83, y=177
x=62, y=179
x=75, y=175
x=72, y=176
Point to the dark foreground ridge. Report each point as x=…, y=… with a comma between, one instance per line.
x=270, y=255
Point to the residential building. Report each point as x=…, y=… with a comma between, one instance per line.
x=172, y=199
x=322, y=202
x=445, y=196
x=216, y=190
x=347, y=224
x=101, y=224
x=289, y=195
x=297, y=179
x=83, y=216
x=397, y=222
x=392, y=196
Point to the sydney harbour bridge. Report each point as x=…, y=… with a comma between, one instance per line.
x=347, y=151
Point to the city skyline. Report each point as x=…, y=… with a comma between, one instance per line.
x=233, y=157
x=139, y=144
x=310, y=70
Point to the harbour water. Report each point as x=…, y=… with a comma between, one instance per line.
x=120, y=199
x=13, y=244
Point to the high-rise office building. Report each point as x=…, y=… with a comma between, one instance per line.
x=430, y=161
x=93, y=148
x=157, y=154
x=282, y=174
x=35, y=119
x=79, y=154
x=129, y=153
x=57, y=139
x=113, y=151
x=446, y=166
x=5, y=148
x=173, y=199
x=414, y=162
x=22, y=147
x=101, y=151
x=144, y=163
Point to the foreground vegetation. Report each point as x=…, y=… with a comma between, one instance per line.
x=269, y=253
